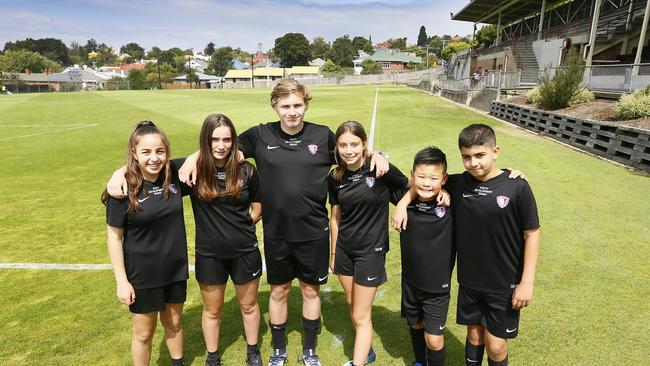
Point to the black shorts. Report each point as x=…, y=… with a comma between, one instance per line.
x=423, y=306
x=148, y=300
x=242, y=269
x=306, y=260
x=368, y=270
x=491, y=310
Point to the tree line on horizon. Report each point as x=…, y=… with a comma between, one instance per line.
x=291, y=49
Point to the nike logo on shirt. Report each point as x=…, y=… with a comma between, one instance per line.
x=143, y=199
x=271, y=147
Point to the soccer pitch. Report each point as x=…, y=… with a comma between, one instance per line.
x=593, y=284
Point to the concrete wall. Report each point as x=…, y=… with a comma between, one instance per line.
x=486, y=62
x=547, y=53
x=626, y=145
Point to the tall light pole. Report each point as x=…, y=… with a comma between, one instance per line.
x=189, y=68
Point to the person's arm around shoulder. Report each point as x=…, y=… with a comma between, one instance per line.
x=335, y=220
x=378, y=163
x=523, y=294
x=125, y=291
x=117, y=186
x=399, y=219
x=254, y=186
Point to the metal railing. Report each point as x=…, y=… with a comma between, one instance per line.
x=622, y=78
x=492, y=79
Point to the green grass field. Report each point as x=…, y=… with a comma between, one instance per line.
x=593, y=285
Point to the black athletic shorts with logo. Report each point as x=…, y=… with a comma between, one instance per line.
x=242, y=269
x=368, y=270
x=306, y=260
x=492, y=310
x=148, y=300
x=422, y=306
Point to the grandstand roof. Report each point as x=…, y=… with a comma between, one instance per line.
x=487, y=11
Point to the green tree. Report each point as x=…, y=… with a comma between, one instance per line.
x=154, y=53
x=167, y=73
x=50, y=48
x=363, y=44
x=422, y=37
x=134, y=50
x=435, y=45
x=18, y=61
x=192, y=78
x=293, y=49
x=241, y=55
x=343, y=52
x=371, y=67
x=330, y=69
x=319, y=48
x=221, y=61
x=91, y=45
x=77, y=54
x=209, y=49
x=137, y=79
x=452, y=48
x=106, y=56
x=485, y=36
x=397, y=43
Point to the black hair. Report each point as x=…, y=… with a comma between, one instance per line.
x=477, y=134
x=430, y=156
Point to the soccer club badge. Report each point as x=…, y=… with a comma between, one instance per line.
x=502, y=201
x=440, y=211
x=370, y=181
x=173, y=189
x=313, y=149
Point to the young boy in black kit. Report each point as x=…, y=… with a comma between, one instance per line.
x=427, y=259
x=497, y=238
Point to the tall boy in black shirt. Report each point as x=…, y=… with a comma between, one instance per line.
x=427, y=258
x=498, y=242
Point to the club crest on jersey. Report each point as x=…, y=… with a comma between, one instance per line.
x=502, y=201
x=313, y=149
x=440, y=211
x=370, y=181
x=173, y=189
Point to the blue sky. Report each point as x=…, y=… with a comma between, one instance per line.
x=194, y=23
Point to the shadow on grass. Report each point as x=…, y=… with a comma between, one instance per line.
x=391, y=328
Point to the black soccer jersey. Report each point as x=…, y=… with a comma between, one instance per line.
x=489, y=223
x=293, y=171
x=364, y=199
x=427, y=247
x=224, y=227
x=154, y=243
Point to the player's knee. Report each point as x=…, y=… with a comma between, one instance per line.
x=309, y=293
x=212, y=312
x=361, y=318
x=249, y=308
x=418, y=326
x=434, y=342
x=475, y=334
x=172, y=324
x=497, y=348
x=143, y=335
x=280, y=293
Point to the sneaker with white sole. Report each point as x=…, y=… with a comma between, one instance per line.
x=278, y=359
x=310, y=358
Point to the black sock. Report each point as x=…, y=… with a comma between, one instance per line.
x=177, y=361
x=436, y=358
x=277, y=336
x=419, y=347
x=503, y=362
x=311, y=332
x=473, y=354
x=213, y=355
x=251, y=348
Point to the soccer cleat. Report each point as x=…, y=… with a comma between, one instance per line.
x=372, y=356
x=254, y=359
x=277, y=359
x=213, y=360
x=310, y=358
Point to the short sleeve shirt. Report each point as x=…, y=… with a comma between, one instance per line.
x=293, y=171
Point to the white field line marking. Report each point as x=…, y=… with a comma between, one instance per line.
x=31, y=126
x=48, y=132
x=371, y=138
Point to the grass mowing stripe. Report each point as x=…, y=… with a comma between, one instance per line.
x=47, y=132
x=373, y=120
